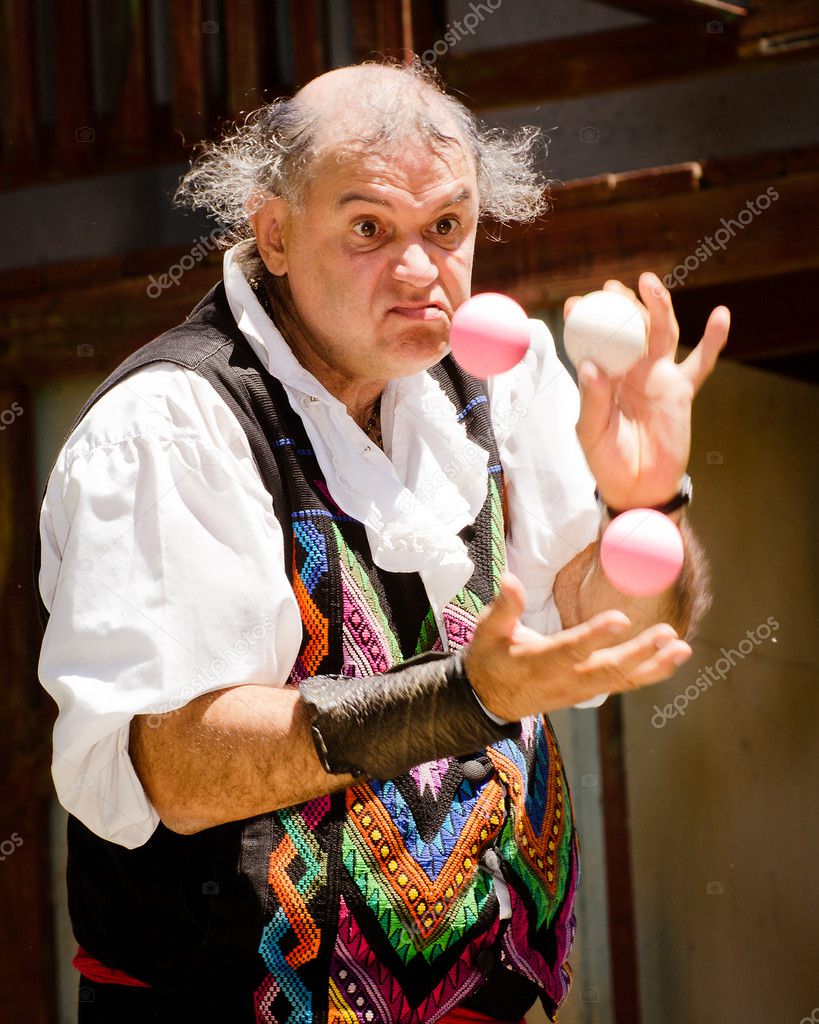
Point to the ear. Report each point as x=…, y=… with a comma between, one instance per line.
x=268, y=223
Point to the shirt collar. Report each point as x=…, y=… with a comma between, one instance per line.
x=412, y=504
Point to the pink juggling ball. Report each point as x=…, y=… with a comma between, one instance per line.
x=490, y=334
x=641, y=552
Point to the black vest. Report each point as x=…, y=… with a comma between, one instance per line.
x=219, y=918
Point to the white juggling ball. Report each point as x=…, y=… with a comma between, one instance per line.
x=607, y=328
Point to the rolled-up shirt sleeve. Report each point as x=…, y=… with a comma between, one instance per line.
x=163, y=574
x=552, y=511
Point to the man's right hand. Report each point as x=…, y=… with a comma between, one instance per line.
x=516, y=671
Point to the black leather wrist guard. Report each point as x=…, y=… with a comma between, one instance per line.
x=381, y=726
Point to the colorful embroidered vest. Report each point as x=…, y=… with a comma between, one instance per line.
x=376, y=904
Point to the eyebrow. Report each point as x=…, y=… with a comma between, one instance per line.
x=362, y=197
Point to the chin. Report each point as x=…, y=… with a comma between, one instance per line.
x=408, y=358
x=414, y=347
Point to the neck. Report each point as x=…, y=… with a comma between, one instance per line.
x=360, y=396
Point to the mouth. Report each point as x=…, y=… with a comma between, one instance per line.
x=421, y=311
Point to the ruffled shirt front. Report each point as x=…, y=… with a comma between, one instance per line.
x=162, y=559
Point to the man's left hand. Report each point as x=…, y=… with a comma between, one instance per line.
x=635, y=430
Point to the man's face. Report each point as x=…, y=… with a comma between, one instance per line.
x=380, y=258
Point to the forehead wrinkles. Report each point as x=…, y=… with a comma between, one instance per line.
x=419, y=180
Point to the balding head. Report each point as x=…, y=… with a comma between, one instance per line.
x=361, y=107
x=348, y=85
x=366, y=87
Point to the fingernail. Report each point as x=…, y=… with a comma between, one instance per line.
x=680, y=657
x=664, y=639
x=617, y=628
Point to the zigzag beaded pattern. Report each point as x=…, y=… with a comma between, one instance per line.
x=537, y=836
x=415, y=908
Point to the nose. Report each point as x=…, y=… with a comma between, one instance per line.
x=415, y=267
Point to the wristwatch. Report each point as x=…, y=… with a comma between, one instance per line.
x=683, y=497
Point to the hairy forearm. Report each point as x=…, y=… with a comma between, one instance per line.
x=681, y=606
x=229, y=755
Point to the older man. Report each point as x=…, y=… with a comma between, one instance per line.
x=310, y=590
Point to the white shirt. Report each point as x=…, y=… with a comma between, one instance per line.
x=162, y=559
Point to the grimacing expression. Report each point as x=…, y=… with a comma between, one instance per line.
x=381, y=257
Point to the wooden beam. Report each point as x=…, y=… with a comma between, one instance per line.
x=553, y=69
x=77, y=148
x=774, y=27
x=91, y=328
x=19, y=116
x=665, y=10
x=27, y=978
x=133, y=131
x=407, y=29
x=770, y=320
x=189, y=104
x=641, y=184
x=382, y=28
x=616, y=832
x=428, y=23
x=772, y=17
x=243, y=41
x=581, y=65
x=578, y=248
x=307, y=39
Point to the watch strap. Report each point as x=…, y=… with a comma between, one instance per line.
x=683, y=497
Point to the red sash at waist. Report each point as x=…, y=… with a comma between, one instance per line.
x=92, y=969
x=460, y=1015
x=95, y=971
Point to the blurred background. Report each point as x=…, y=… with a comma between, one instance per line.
x=683, y=138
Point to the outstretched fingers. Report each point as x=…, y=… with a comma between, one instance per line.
x=650, y=657
x=699, y=364
x=576, y=644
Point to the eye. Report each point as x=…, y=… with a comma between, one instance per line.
x=448, y=224
x=366, y=228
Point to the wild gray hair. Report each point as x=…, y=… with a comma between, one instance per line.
x=271, y=152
